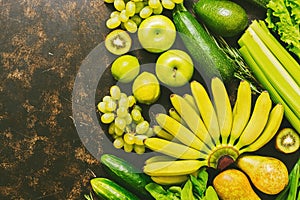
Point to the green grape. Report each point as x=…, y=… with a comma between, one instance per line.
x=115, y=92
x=158, y=10
x=139, y=139
x=137, y=19
x=133, y=125
x=114, y=14
x=122, y=112
x=129, y=138
x=128, y=147
x=120, y=123
x=118, y=143
x=106, y=98
x=107, y=118
x=130, y=8
x=119, y=5
x=139, y=149
x=168, y=4
x=123, y=95
x=142, y=127
x=154, y=3
x=146, y=12
x=108, y=1
x=111, y=106
x=123, y=16
x=137, y=107
x=136, y=114
x=118, y=131
x=113, y=22
x=131, y=100
x=130, y=26
x=123, y=102
x=102, y=107
x=177, y=1
x=141, y=120
x=150, y=132
x=111, y=128
x=128, y=119
x=139, y=5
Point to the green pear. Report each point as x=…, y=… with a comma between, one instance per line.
x=267, y=174
x=233, y=184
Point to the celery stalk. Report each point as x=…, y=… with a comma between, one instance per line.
x=289, y=63
x=268, y=63
x=260, y=76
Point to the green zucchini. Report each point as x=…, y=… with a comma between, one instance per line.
x=108, y=190
x=211, y=59
x=126, y=175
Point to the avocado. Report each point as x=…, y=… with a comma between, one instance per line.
x=224, y=18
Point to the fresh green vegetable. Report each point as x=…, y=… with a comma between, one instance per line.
x=159, y=193
x=283, y=17
x=281, y=80
x=126, y=174
x=290, y=192
x=187, y=191
x=210, y=194
x=224, y=18
x=211, y=59
x=108, y=190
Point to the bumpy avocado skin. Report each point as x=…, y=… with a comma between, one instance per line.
x=224, y=18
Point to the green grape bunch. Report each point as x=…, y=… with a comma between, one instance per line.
x=127, y=126
x=130, y=13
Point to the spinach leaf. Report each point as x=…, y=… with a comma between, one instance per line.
x=187, y=191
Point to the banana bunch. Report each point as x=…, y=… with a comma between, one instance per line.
x=207, y=129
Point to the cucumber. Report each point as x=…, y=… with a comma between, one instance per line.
x=108, y=190
x=212, y=60
x=126, y=175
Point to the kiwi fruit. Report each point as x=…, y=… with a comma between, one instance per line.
x=118, y=42
x=287, y=140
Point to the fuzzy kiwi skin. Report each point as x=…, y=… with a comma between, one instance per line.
x=288, y=147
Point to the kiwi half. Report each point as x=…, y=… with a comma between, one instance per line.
x=287, y=140
x=118, y=42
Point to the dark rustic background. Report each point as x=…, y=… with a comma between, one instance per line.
x=43, y=43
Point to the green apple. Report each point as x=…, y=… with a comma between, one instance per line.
x=174, y=68
x=125, y=68
x=157, y=33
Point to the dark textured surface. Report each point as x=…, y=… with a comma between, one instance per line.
x=42, y=45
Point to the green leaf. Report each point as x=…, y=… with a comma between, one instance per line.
x=199, y=186
x=187, y=191
x=211, y=194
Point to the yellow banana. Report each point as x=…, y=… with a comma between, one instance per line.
x=180, y=132
x=173, y=113
x=159, y=159
x=173, y=168
x=190, y=99
x=192, y=119
x=270, y=130
x=170, y=180
x=162, y=133
x=173, y=149
x=257, y=121
x=223, y=108
x=241, y=111
x=206, y=110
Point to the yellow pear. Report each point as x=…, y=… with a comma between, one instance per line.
x=267, y=174
x=233, y=184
